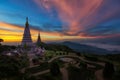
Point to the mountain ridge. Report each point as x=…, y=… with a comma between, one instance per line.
x=82, y=48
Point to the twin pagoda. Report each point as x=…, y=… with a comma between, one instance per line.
x=27, y=40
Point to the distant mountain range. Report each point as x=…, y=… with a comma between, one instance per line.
x=87, y=49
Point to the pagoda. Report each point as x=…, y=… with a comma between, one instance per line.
x=27, y=36
x=39, y=39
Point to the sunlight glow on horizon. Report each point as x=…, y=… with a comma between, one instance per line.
x=13, y=33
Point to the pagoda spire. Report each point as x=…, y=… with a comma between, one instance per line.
x=27, y=23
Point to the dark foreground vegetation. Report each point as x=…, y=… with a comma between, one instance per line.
x=11, y=66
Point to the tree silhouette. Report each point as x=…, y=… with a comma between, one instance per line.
x=1, y=40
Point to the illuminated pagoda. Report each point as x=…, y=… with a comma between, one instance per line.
x=27, y=36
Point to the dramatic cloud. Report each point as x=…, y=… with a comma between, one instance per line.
x=73, y=12
x=81, y=15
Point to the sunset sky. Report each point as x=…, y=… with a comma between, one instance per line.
x=61, y=20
